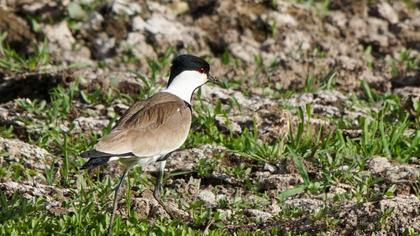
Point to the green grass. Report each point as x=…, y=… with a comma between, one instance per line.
x=14, y=62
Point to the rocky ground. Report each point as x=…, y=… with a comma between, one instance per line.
x=315, y=130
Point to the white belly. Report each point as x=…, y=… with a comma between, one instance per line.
x=131, y=161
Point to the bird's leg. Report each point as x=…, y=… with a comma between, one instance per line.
x=114, y=205
x=158, y=187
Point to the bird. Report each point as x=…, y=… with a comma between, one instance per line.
x=153, y=128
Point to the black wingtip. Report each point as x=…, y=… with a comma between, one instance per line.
x=94, y=154
x=95, y=162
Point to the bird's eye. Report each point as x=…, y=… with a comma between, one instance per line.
x=201, y=70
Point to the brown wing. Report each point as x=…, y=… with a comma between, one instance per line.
x=134, y=109
x=157, y=126
x=150, y=116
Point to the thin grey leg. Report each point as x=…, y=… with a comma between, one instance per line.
x=158, y=187
x=114, y=205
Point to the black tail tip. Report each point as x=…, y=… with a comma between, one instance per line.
x=95, y=162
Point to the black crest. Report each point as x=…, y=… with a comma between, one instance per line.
x=187, y=62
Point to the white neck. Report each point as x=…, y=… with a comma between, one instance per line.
x=184, y=84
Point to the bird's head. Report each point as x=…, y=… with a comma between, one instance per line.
x=190, y=70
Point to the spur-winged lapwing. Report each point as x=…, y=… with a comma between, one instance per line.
x=151, y=129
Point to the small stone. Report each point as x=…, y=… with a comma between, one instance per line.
x=225, y=214
x=178, y=7
x=402, y=174
x=124, y=7
x=281, y=182
x=305, y=203
x=90, y=124
x=378, y=164
x=103, y=46
x=60, y=34
x=29, y=155
x=138, y=24
x=95, y=21
x=387, y=12
x=207, y=196
x=221, y=197
x=269, y=167
x=280, y=19
x=258, y=215
x=167, y=32
x=405, y=213
x=76, y=11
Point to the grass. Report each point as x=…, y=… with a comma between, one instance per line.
x=14, y=62
x=387, y=129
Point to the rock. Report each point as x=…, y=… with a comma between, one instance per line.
x=94, y=22
x=235, y=123
x=125, y=7
x=274, y=207
x=126, y=82
x=307, y=204
x=19, y=35
x=29, y=155
x=43, y=9
x=138, y=24
x=207, y=196
x=245, y=51
x=410, y=96
x=280, y=182
x=402, y=174
x=269, y=168
x=221, y=197
x=405, y=213
x=378, y=164
x=178, y=7
x=339, y=189
x=103, y=46
x=387, y=12
x=164, y=33
x=363, y=218
x=225, y=214
x=62, y=44
x=89, y=124
x=297, y=41
x=278, y=19
x=136, y=44
x=75, y=11
x=60, y=35
x=186, y=160
x=323, y=102
x=258, y=215
x=392, y=173
x=254, y=103
x=54, y=197
x=147, y=207
x=143, y=206
x=272, y=122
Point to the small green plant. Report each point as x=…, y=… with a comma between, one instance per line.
x=12, y=61
x=206, y=167
x=386, y=213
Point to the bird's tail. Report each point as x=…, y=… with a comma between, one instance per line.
x=95, y=162
x=96, y=158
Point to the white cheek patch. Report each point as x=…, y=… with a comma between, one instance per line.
x=184, y=84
